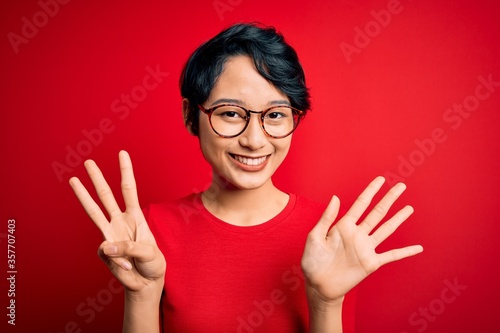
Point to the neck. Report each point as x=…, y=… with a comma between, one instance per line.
x=244, y=207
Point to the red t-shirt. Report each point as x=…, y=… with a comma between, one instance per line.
x=226, y=278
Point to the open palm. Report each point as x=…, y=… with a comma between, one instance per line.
x=337, y=258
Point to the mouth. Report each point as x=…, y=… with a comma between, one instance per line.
x=250, y=161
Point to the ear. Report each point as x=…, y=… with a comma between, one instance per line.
x=185, y=113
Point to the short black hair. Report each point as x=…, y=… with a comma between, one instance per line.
x=274, y=59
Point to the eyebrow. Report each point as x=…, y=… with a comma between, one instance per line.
x=240, y=102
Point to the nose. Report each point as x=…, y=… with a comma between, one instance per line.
x=253, y=137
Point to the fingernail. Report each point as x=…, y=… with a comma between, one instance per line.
x=110, y=249
x=126, y=265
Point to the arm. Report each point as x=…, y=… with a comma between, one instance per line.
x=324, y=316
x=337, y=259
x=129, y=249
x=141, y=312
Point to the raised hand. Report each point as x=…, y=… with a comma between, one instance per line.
x=129, y=249
x=337, y=259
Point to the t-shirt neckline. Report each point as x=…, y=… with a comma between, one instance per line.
x=292, y=198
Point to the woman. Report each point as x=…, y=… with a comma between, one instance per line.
x=234, y=251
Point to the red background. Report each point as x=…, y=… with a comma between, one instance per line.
x=368, y=111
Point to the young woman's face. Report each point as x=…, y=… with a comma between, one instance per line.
x=249, y=160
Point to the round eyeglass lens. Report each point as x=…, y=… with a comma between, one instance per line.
x=280, y=121
x=229, y=120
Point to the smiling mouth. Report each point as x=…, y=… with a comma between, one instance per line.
x=250, y=161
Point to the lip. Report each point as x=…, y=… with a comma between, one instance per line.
x=248, y=167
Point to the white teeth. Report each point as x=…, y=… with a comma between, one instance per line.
x=250, y=161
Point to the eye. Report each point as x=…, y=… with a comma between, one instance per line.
x=275, y=115
x=230, y=114
x=279, y=114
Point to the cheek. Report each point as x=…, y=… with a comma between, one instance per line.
x=205, y=137
x=283, y=146
x=211, y=145
x=207, y=148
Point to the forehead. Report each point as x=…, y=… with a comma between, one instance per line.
x=241, y=81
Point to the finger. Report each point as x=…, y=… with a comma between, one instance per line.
x=118, y=261
x=139, y=251
x=327, y=218
x=102, y=188
x=129, y=187
x=364, y=199
x=398, y=254
x=391, y=225
x=380, y=210
x=93, y=210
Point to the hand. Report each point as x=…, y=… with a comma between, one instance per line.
x=129, y=249
x=337, y=259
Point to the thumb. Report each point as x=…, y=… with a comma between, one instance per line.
x=327, y=218
x=139, y=251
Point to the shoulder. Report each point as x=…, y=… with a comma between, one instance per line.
x=307, y=205
x=303, y=212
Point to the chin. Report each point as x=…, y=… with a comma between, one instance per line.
x=252, y=184
x=240, y=183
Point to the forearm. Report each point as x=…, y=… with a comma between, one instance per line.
x=141, y=313
x=324, y=317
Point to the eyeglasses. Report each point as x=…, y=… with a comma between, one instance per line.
x=230, y=120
